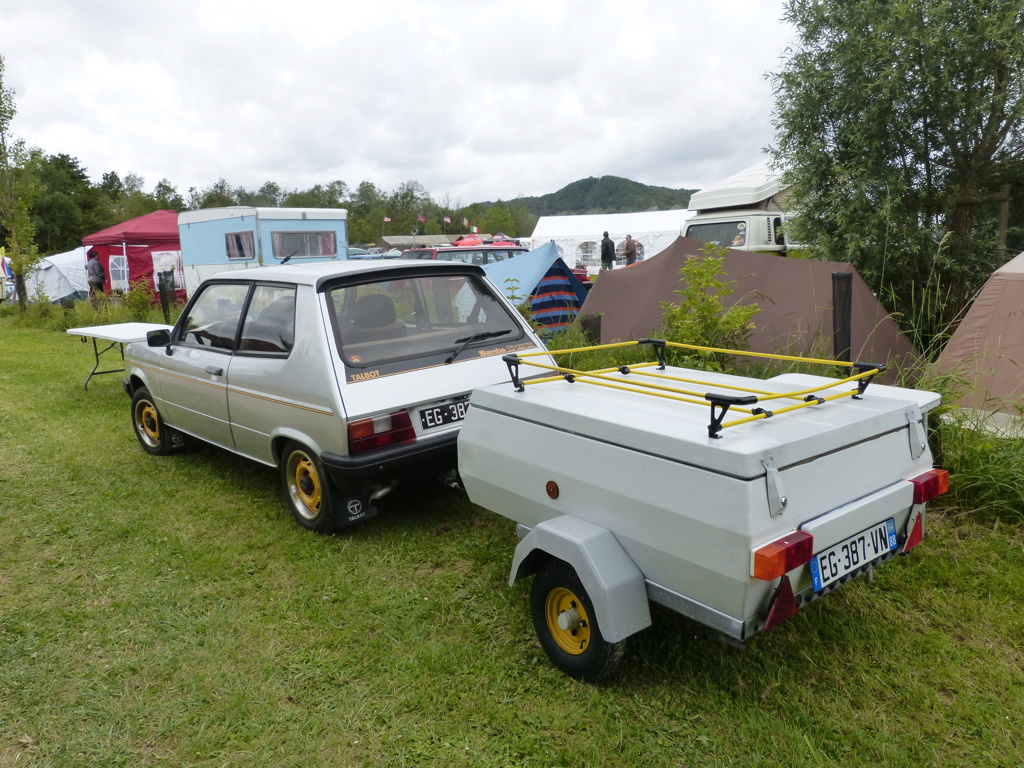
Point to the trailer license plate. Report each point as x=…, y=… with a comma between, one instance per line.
x=860, y=549
x=440, y=415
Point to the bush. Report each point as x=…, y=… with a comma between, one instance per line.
x=701, y=319
x=134, y=306
x=139, y=301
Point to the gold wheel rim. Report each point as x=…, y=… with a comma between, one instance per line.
x=149, y=422
x=307, y=492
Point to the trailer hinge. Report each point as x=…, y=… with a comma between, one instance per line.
x=918, y=438
x=777, y=501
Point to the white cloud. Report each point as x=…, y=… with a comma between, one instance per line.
x=476, y=100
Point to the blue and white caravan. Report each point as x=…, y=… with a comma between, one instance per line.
x=237, y=237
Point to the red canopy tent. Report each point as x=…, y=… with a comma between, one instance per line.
x=135, y=250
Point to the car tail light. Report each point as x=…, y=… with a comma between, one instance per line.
x=379, y=432
x=778, y=557
x=930, y=485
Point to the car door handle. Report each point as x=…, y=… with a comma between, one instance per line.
x=213, y=370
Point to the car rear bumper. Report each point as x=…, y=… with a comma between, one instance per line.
x=422, y=457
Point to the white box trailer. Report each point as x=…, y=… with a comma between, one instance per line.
x=732, y=500
x=239, y=237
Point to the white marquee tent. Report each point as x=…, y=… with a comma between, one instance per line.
x=578, y=238
x=58, y=277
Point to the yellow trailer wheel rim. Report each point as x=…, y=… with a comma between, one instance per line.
x=567, y=620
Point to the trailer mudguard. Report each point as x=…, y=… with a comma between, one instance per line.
x=614, y=583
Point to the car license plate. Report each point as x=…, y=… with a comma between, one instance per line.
x=858, y=550
x=440, y=415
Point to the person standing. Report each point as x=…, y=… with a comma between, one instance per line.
x=629, y=250
x=95, y=274
x=607, y=252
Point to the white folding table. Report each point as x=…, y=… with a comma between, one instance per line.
x=118, y=335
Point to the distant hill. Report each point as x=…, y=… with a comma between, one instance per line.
x=608, y=194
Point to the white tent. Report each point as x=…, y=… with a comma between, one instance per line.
x=578, y=238
x=59, y=277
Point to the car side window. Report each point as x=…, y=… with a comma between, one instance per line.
x=269, y=326
x=212, y=321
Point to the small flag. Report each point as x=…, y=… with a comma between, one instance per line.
x=465, y=221
x=447, y=220
x=474, y=230
x=421, y=220
x=386, y=219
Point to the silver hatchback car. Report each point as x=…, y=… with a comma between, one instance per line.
x=347, y=376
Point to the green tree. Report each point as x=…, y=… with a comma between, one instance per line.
x=498, y=218
x=166, y=197
x=898, y=123
x=330, y=195
x=19, y=187
x=269, y=195
x=67, y=202
x=524, y=222
x=218, y=195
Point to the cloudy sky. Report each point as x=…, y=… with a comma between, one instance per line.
x=474, y=99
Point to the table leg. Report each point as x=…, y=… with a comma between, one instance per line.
x=96, y=353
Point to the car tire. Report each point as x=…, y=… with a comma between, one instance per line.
x=155, y=437
x=308, y=489
x=567, y=627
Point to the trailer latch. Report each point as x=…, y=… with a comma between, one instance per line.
x=777, y=501
x=918, y=438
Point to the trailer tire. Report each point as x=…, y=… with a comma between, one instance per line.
x=567, y=626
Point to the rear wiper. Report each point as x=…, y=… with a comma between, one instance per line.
x=463, y=343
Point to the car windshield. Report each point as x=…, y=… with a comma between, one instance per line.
x=419, y=317
x=731, y=234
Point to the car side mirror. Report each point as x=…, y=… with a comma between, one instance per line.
x=159, y=338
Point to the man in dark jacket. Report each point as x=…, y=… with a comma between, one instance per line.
x=607, y=252
x=95, y=274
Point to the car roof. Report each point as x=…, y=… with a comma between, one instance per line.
x=315, y=272
x=487, y=247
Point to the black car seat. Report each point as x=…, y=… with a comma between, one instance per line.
x=373, y=319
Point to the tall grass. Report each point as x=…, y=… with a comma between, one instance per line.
x=135, y=305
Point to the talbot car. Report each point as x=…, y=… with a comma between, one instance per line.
x=346, y=376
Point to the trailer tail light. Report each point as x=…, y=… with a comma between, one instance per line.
x=930, y=485
x=778, y=557
x=379, y=432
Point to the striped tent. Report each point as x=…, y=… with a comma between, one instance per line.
x=539, y=277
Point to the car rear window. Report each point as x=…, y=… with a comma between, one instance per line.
x=419, y=320
x=477, y=256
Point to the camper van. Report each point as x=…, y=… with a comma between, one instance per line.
x=239, y=237
x=744, y=211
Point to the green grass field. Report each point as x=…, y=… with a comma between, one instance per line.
x=168, y=611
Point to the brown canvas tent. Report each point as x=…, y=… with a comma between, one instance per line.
x=987, y=349
x=795, y=297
